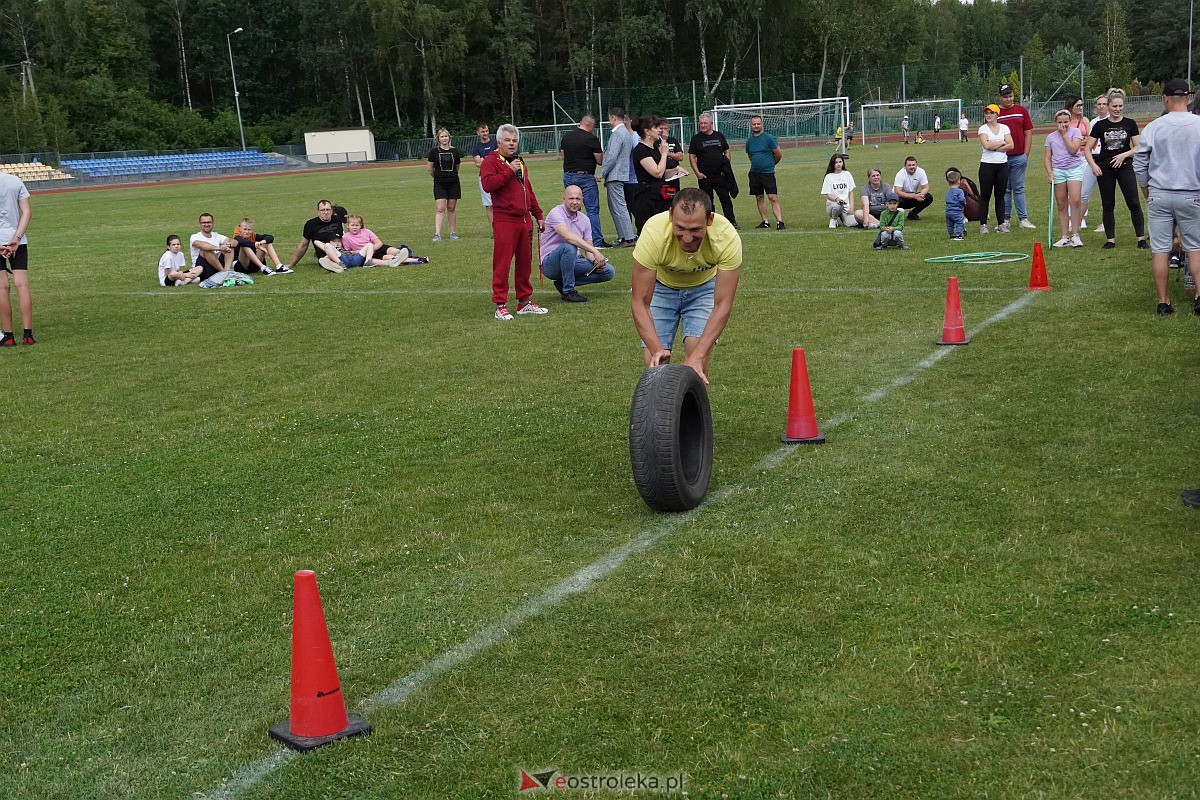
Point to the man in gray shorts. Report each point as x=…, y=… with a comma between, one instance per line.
x=15, y=213
x=1167, y=166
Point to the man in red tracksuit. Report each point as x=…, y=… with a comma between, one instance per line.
x=506, y=178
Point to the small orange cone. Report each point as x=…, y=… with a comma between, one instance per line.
x=802, y=417
x=318, y=710
x=1037, y=275
x=953, y=330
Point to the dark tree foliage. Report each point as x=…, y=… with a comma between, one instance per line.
x=155, y=74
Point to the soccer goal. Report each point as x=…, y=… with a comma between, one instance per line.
x=811, y=120
x=881, y=120
x=546, y=138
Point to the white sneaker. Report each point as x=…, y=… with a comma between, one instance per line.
x=1076, y=241
x=984, y=229
x=502, y=313
x=530, y=307
x=1063, y=242
x=833, y=223
x=1025, y=223
x=1003, y=228
x=437, y=237
x=267, y=270
x=330, y=264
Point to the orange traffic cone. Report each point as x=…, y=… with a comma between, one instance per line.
x=802, y=418
x=318, y=710
x=1037, y=275
x=953, y=331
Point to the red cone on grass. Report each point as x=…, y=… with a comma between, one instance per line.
x=802, y=417
x=953, y=330
x=1037, y=275
x=318, y=709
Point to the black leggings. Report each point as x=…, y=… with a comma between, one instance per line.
x=992, y=178
x=1107, y=184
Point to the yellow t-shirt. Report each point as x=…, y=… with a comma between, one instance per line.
x=659, y=250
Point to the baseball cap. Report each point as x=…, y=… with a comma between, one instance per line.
x=995, y=109
x=1176, y=87
x=1006, y=88
x=891, y=197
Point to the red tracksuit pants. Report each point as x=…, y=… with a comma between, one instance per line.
x=513, y=238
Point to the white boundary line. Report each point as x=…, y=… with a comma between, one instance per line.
x=584, y=579
x=183, y=292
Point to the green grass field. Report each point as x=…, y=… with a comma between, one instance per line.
x=983, y=586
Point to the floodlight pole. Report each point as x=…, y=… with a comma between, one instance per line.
x=233, y=74
x=1191, y=14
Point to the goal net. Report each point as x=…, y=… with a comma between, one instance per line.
x=546, y=138
x=883, y=121
x=803, y=120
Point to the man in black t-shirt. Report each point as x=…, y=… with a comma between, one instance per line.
x=709, y=154
x=581, y=152
x=320, y=231
x=674, y=150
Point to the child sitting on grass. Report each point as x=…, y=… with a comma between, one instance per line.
x=254, y=250
x=891, y=225
x=171, y=265
x=956, y=204
x=360, y=246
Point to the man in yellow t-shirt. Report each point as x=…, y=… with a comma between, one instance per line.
x=685, y=270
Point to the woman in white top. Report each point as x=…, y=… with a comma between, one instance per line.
x=837, y=188
x=1089, y=177
x=997, y=140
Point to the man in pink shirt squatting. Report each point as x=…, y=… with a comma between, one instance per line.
x=568, y=256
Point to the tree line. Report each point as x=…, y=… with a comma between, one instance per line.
x=84, y=75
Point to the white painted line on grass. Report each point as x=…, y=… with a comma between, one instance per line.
x=775, y=458
x=182, y=292
x=578, y=582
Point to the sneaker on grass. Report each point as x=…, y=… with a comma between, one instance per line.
x=8, y=340
x=437, y=237
x=502, y=313
x=1076, y=241
x=764, y=225
x=530, y=307
x=984, y=229
x=330, y=264
x=1165, y=309
x=284, y=269
x=28, y=339
x=1025, y=223
x=453, y=236
x=1063, y=242
x=1003, y=227
x=779, y=225
x=267, y=270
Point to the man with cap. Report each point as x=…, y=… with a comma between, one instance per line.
x=1016, y=117
x=1167, y=166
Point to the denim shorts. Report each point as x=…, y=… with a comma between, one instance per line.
x=1072, y=174
x=670, y=306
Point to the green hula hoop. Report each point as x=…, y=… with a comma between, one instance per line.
x=977, y=258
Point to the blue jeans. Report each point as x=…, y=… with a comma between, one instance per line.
x=564, y=264
x=692, y=307
x=955, y=226
x=1016, y=187
x=591, y=200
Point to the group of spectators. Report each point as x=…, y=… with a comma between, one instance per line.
x=338, y=239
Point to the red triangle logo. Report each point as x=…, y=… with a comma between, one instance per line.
x=527, y=782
